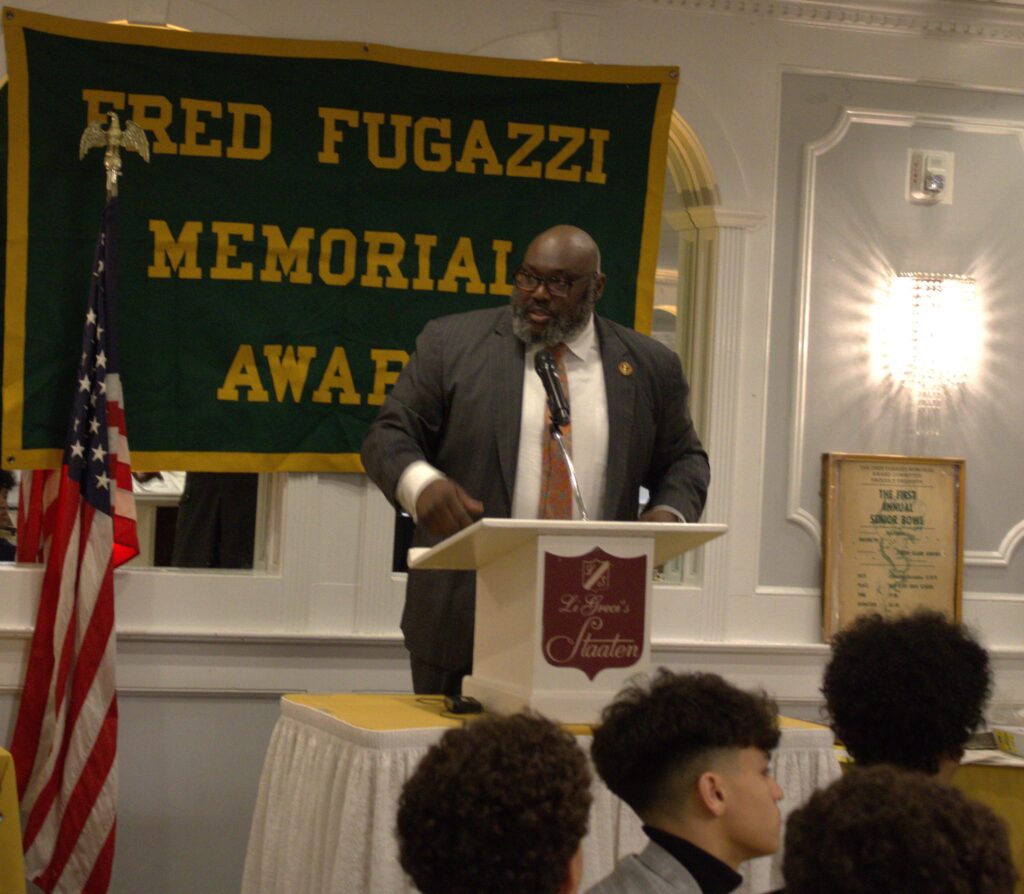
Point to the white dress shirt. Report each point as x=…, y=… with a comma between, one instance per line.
x=588, y=404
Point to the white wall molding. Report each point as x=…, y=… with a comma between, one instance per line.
x=264, y=670
x=299, y=552
x=1001, y=555
x=203, y=667
x=964, y=21
x=148, y=12
x=976, y=596
x=812, y=592
x=789, y=673
x=209, y=665
x=795, y=513
x=717, y=271
x=743, y=650
x=994, y=597
x=575, y=37
x=705, y=216
x=380, y=594
x=726, y=293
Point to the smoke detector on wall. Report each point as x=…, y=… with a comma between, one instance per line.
x=929, y=177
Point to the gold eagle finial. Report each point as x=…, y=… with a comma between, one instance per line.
x=113, y=139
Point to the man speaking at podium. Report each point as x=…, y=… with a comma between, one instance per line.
x=465, y=433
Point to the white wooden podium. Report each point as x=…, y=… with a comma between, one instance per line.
x=563, y=608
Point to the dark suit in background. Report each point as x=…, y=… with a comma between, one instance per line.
x=216, y=524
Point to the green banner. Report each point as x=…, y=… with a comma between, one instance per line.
x=308, y=206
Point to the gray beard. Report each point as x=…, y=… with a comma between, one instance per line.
x=558, y=329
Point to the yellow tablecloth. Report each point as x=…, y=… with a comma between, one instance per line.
x=384, y=713
x=997, y=780
x=1002, y=789
x=12, y=863
x=325, y=813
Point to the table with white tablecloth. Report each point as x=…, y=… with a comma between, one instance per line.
x=325, y=813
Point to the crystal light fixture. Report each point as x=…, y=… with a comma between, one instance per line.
x=927, y=338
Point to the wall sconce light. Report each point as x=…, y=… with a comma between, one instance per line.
x=927, y=335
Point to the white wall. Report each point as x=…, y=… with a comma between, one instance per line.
x=202, y=655
x=850, y=138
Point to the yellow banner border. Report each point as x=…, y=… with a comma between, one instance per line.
x=651, y=230
x=200, y=461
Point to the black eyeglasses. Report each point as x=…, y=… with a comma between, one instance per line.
x=558, y=286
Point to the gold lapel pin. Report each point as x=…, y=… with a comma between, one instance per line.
x=626, y=368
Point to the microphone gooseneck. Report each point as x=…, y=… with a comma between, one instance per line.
x=558, y=404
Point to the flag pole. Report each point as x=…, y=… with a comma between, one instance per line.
x=65, y=736
x=32, y=497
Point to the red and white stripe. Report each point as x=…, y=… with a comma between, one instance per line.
x=36, y=497
x=66, y=739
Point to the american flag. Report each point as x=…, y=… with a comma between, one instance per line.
x=37, y=490
x=65, y=739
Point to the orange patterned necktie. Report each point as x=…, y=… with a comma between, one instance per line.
x=555, y=486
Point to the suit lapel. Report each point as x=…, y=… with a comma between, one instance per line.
x=619, y=389
x=508, y=354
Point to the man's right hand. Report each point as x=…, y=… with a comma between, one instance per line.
x=444, y=508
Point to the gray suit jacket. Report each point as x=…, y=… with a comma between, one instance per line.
x=653, y=871
x=457, y=405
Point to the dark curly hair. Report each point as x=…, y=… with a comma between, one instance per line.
x=499, y=806
x=882, y=830
x=907, y=691
x=652, y=735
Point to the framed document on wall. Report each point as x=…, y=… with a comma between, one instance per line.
x=892, y=536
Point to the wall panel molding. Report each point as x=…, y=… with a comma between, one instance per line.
x=1001, y=555
x=807, y=519
x=377, y=610
x=955, y=21
x=726, y=260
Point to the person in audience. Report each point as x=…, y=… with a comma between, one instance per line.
x=690, y=754
x=907, y=691
x=497, y=807
x=216, y=523
x=7, y=530
x=882, y=830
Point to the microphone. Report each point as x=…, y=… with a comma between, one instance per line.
x=544, y=363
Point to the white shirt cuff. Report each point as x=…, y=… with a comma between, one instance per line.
x=671, y=509
x=416, y=476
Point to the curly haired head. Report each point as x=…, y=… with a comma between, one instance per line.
x=500, y=805
x=907, y=691
x=652, y=738
x=882, y=830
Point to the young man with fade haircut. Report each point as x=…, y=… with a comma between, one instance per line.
x=907, y=691
x=882, y=830
x=690, y=754
x=497, y=807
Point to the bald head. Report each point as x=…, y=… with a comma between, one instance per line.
x=565, y=248
x=557, y=286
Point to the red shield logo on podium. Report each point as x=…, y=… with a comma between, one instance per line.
x=594, y=610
